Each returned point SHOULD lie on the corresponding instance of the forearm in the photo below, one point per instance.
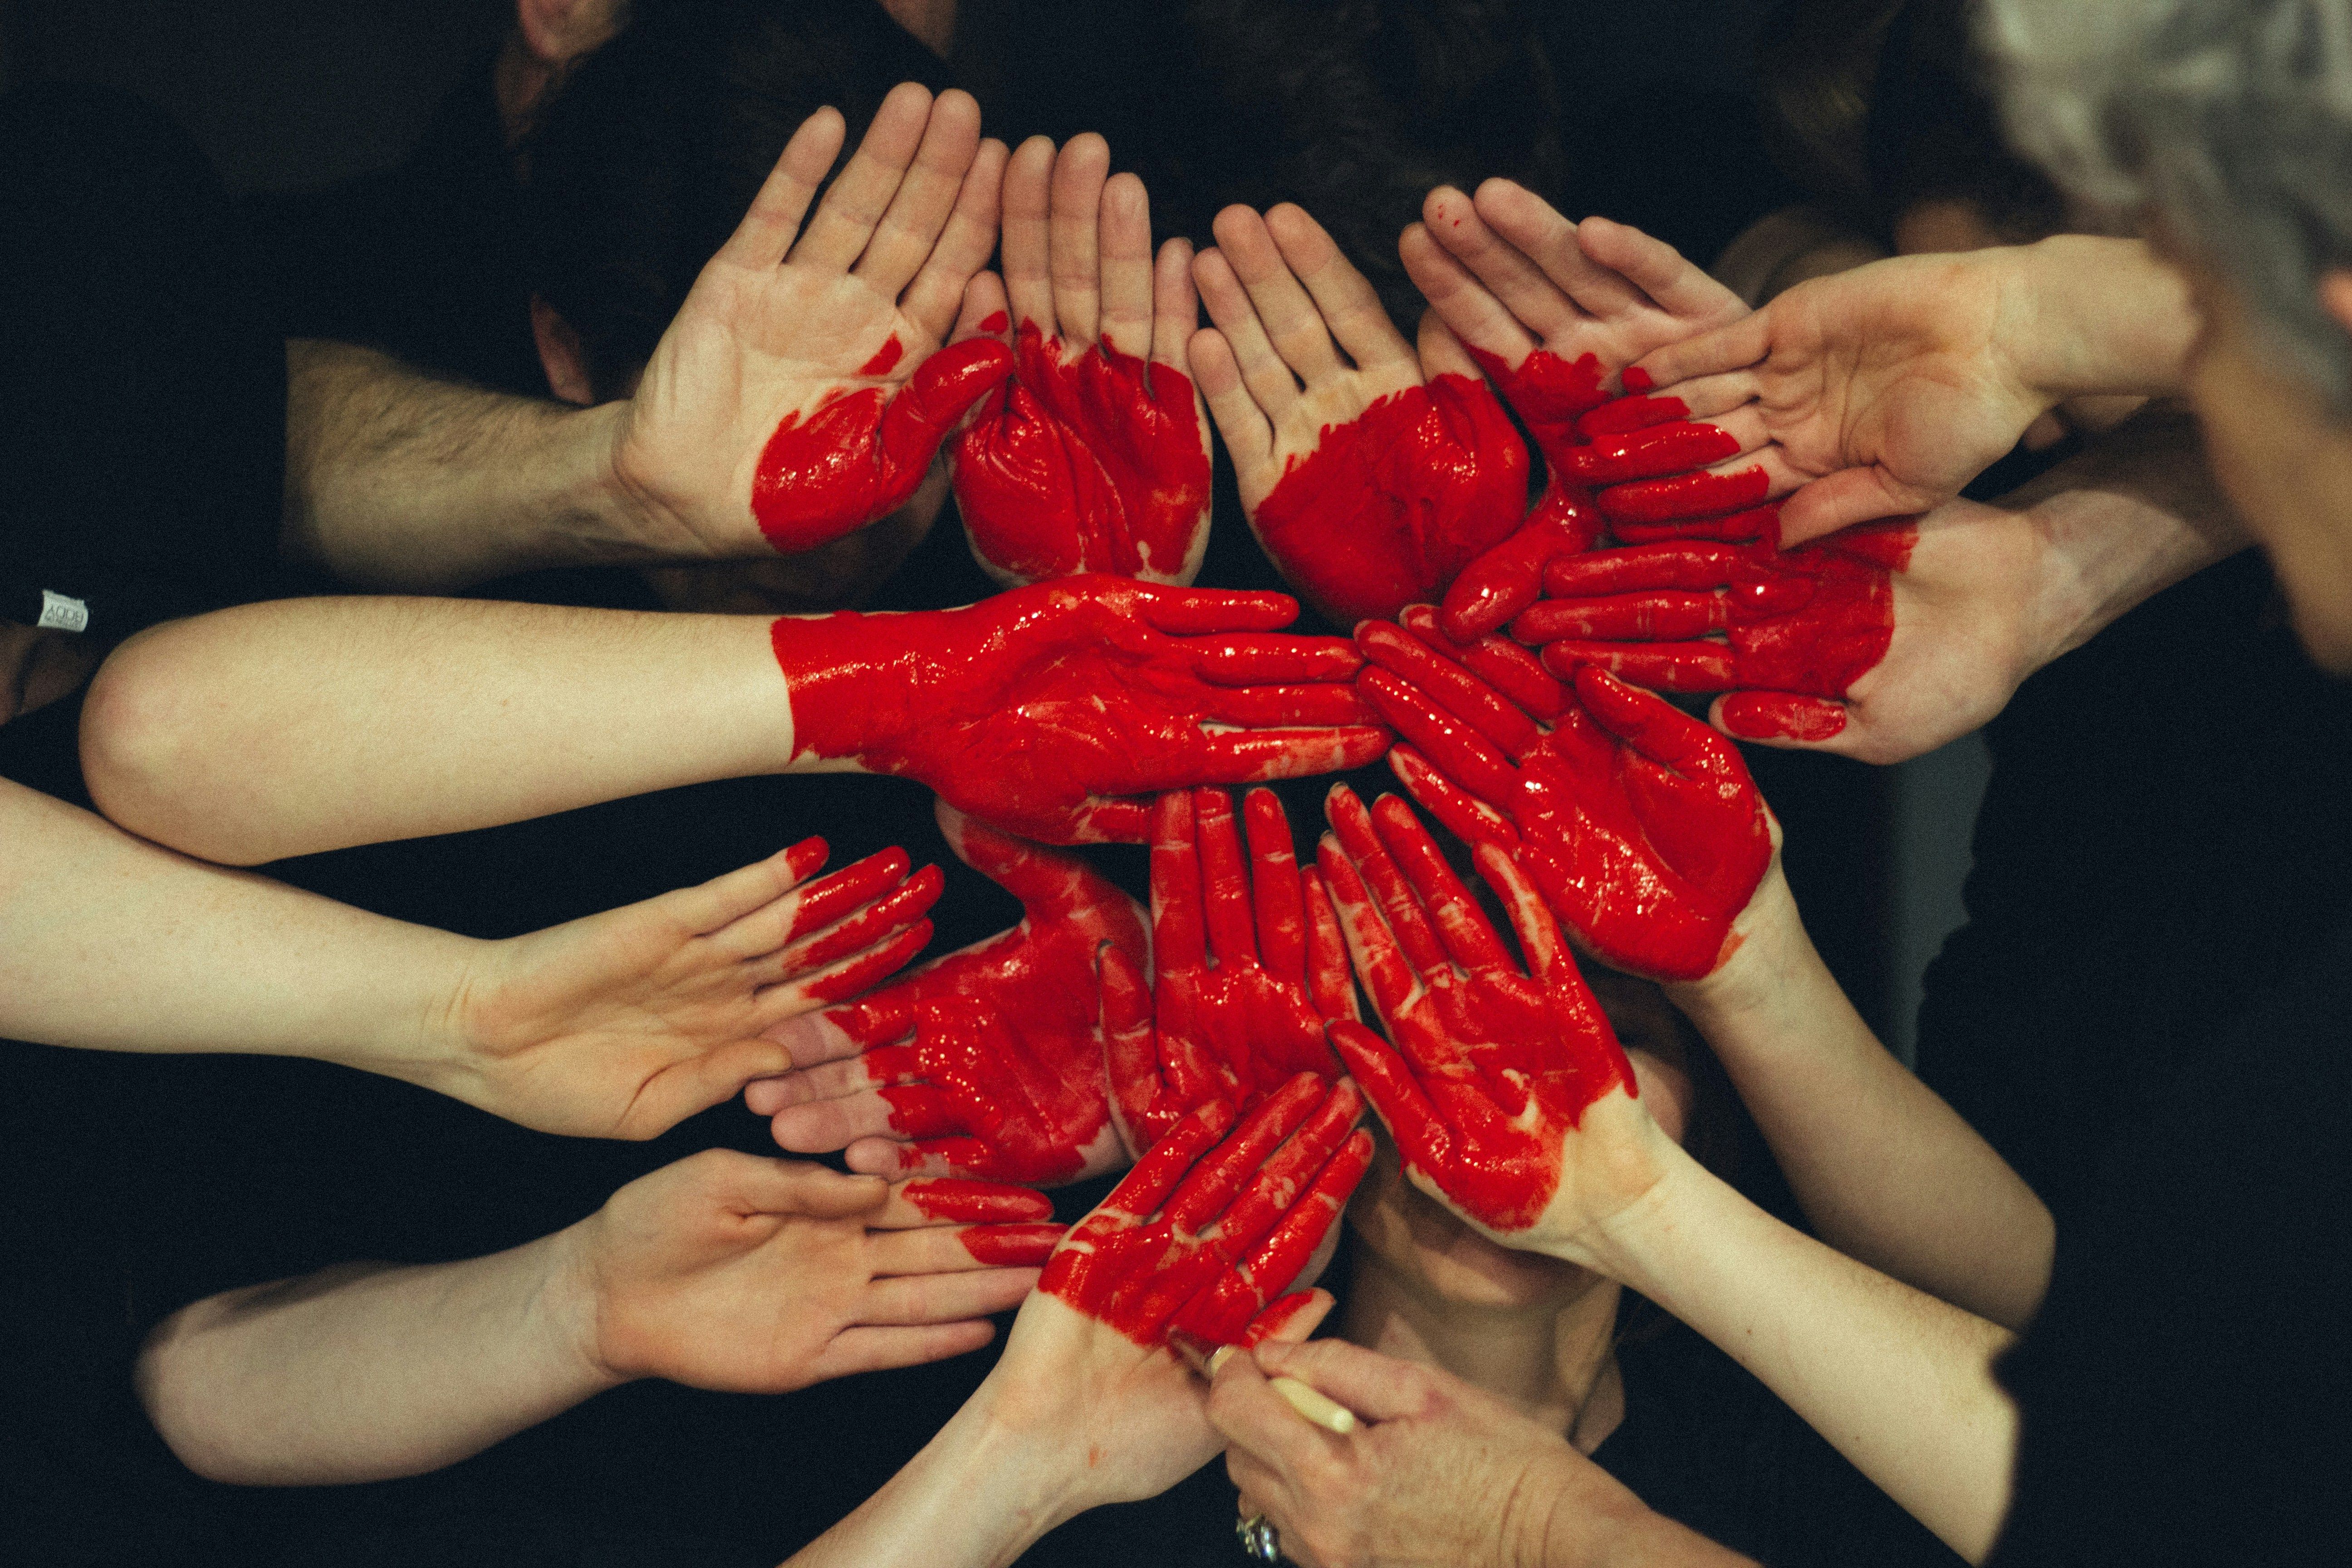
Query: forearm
(367, 1371)
(396, 480)
(303, 725)
(113, 943)
(1884, 1171)
(1899, 1381)
(977, 1496)
(2097, 315)
(1584, 1532)
(2121, 523)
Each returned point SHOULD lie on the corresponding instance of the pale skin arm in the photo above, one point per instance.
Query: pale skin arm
(618, 1025)
(395, 718)
(1884, 1171)
(724, 1271)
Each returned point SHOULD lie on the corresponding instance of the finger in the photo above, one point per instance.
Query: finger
(1279, 902)
(1467, 818)
(1239, 660)
(1468, 939)
(1695, 567)
(1050, 885)
(1349, 307)
(862, 928)
(1412, 663)
(829, 1125)
(1294, 330)
(857, 972)
(1269, 383)
(906, 1252)
(1707, 492)
(931, 301)
(930, 1298)
(1146, 1187)
(1846, 498)
(1180, 942)
(1679, 286)
(1540, 942)
(1182, 612)
(1460, 299)
(845, 1031)
(695, 1084)
(1276, 1234)
(1218, 1177)
(1074, 236)
(1224, 880)
(1652, 726)
(858, 1349)
(1399, 906)
(1506, 579)
(1175, 305)
(844, 220)
(759, 1183)
(986, 312)
(1501, 663)
(1779, 718)
(1388, 1081)
(1254, 707)
(1267, 1443)
(1658, 617)
(1130, 1045)
(722, 902)
(1328, 983)
(1467, 757)
(1291, 1318)
(942, 390)
(766, 232)
(1110, 819)
(1124, 246)
(936, 1201)
(913, 224)
(1733, 346)
(1375, 1387)
(1262, 755)
(1528, 224)
(1658, 667)
(1025, 211)
(1387, 976)
(1249, 435)
(1654, 450)
(1441, 352)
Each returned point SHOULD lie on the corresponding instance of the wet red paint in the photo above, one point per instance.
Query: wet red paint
(1777, 716)
(1650, 452)
(884, 357)
(822, 903)
(901, 906)
(1492, 1067)
(1389, 506)
(955, 1199)
(1682, 495)
(995, 321)
(1640, 824)
(1699, 616)
(1248, 964)
(871, 968)
(991, 1059)
(1098, 464)
(860, 453)
(1053, 710)
(1013, 1246)
(1203, 1235)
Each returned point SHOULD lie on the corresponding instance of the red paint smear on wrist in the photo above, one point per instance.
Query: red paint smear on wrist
(1094, 465)
(1390, 507)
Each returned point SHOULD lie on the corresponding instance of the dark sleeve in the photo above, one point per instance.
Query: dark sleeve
(142, 417)
(2184, 1390)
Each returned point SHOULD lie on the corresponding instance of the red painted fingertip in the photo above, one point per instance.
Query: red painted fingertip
(1778, 716)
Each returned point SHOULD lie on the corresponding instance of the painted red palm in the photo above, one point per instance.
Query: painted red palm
(1248, 965)
(1492, 1067)
(1640, 824)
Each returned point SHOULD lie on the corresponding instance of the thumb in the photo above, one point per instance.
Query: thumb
(1845, 498)
(697, 1083)
(1377, 1387)
(1778, 719)
(943, 389)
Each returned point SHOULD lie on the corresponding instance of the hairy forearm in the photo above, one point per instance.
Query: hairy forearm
(114, 943)
(396, 480)
(1899, 1381)
(1884, 1171)
(303, 725)
(369, 1371)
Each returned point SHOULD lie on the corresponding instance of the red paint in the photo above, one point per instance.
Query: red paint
(991, 1059)
(1777, 716)
(822, 903)
(953, 1199)
(903, 905)
(1648, 452)
(1682, 495)
(1053, 710)
(1248, 968)
(884, 357)
(1640, 824)
(1724, 618)
(1013, 1246)
(994, 322)
(1492, 1067)
(1198, 1239)
(1550, 394)
(1389, 508)
(1097, 464)
(1735, 527)
(1621, 415)
(860, 453)
(871, 968)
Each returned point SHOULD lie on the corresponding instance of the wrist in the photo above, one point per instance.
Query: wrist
(860, 685)
(2098, 315)
(1767, 944)
(572, 1309)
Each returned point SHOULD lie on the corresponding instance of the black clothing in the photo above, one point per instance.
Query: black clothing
(2185, 1390)
(1702, 1442)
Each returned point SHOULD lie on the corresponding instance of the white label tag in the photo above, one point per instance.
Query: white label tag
(60, 614)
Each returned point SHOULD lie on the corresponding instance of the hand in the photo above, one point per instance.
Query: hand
(625, 1024)
(1882, 391)
(1799, 629)
(1371, 476)
(1437, 1472)
(1509, 1096)
(746, 1275)
(988, 1062)
(1184, 1245)
(1552, 310)
(1641, 825)
(802, 392)
(1095, 456)
(1050, 710)
(1246, 971)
